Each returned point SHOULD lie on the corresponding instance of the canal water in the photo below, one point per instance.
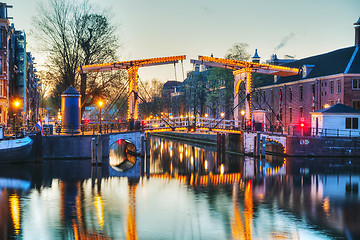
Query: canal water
(187, 192)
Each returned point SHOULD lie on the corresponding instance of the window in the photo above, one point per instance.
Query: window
(301, 93)
(356, 104)
(356, 84)
(290, 114)
(331, 87)
(280, 113)
(352, 123)
(331, 102)
(313, 88)
(290, 94)
(301, 112)
(272, 96)
(338, 86)
(1, 88)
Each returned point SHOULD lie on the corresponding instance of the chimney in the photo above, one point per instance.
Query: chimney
(357, 32)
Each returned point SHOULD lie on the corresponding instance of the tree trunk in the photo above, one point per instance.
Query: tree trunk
(83, 91)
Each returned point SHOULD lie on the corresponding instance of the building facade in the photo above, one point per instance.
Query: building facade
(4, 64)
(18, 80)
(323, 80)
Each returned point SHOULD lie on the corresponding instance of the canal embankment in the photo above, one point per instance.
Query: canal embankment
(72, 147)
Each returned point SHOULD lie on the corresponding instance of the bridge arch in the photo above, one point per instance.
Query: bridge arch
(133, 137)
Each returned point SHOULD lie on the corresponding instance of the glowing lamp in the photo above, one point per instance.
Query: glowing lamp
(100, 103)
(243, 112)
(222, 114)
(16, 103)
(302, 124)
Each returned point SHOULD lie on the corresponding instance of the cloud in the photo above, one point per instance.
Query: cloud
(284, 41)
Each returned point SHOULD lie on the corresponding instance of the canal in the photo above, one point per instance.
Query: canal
(187, 192)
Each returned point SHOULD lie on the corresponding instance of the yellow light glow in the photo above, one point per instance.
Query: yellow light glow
(222, 169)
(99, 210)
(15, 212)
(206, 115)
(100, 103)
(242, 112)
(17, 103)
(206, 165)
(326, 205)
(222, 114)
(326, 106)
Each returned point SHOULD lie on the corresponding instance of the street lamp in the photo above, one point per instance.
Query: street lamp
(100, 104)
(242, 118)
(16, 104)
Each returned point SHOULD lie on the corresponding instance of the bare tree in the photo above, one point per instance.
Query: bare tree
(75, 34)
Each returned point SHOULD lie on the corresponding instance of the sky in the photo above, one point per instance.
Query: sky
(159, 28)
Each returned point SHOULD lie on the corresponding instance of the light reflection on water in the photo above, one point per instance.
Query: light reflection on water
(185, 197)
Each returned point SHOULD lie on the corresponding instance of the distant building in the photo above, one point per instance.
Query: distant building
(336, 120)
(276, 61)
(168, 89)
(329, 78)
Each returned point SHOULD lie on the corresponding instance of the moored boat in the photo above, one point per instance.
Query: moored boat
(15, 150)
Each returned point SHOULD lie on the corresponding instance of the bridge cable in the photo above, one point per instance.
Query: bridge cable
(175, 71)
(172, 127)
(113, 102)
(116, 113)
(182, 67)
(247, 96)
(272, 110)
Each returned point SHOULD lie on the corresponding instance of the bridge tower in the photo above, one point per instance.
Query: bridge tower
(242, 71)
(132, 68)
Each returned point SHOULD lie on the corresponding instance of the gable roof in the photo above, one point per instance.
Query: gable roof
(345, 60)
(70, 91)
(339, 108)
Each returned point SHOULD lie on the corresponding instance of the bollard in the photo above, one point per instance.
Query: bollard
(93, 151)
(99, 149)
(263, 147)
(222, 148)
(258, 146)
(142, 146)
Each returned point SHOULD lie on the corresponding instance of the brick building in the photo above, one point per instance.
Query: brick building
(324, 79)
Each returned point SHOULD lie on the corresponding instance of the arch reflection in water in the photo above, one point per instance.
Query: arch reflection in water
(122, 155)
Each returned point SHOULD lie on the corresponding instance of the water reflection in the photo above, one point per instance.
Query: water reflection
(122, 155)
(185, 197)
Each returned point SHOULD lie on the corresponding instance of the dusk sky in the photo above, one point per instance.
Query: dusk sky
(156, 28)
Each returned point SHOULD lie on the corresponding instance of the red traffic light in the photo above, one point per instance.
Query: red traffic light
(302, 124)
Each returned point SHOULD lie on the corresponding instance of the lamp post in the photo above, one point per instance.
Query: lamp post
(100, 104)
(16, 104)
(242, 118)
